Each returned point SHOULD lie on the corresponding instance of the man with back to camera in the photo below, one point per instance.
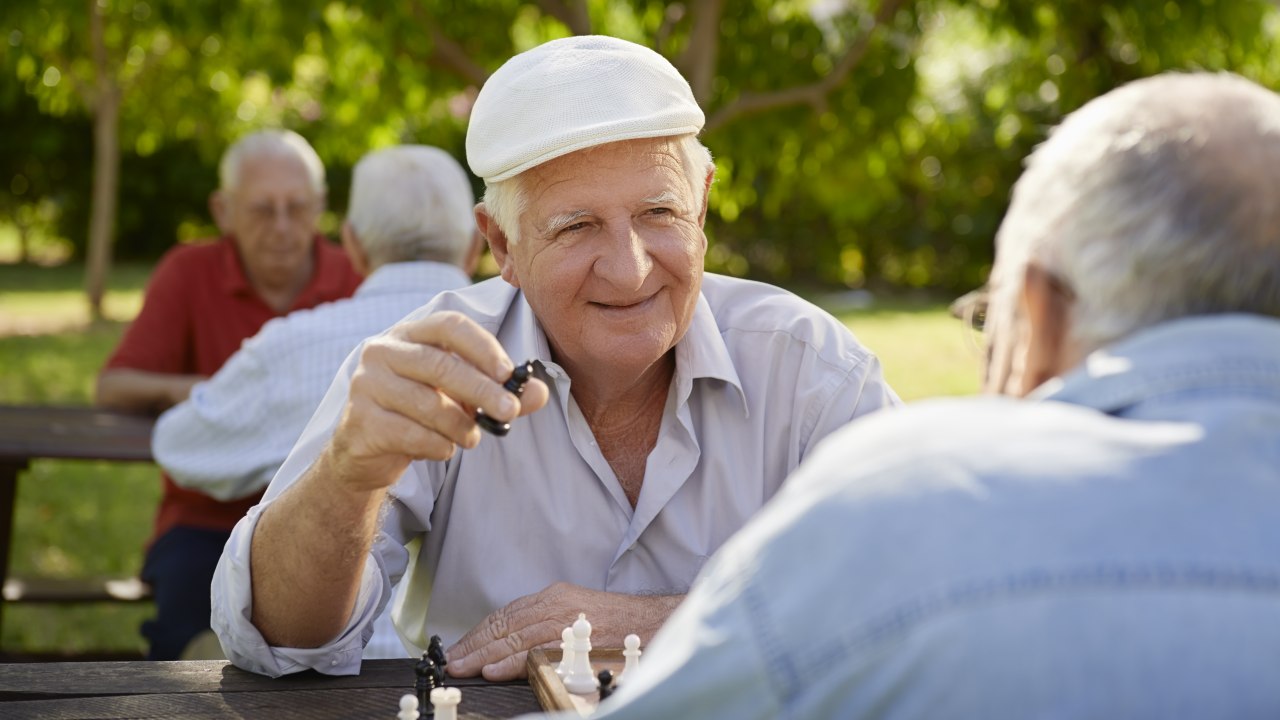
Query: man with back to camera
(1106, 546)
(410, 231)
(665, 408)
(201, 302)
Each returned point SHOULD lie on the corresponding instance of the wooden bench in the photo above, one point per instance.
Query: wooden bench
(64, 433)
(74, 590)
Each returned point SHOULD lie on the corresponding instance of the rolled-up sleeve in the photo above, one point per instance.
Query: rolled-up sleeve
(232, 602)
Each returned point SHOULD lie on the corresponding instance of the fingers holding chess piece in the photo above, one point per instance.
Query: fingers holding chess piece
(513, 385)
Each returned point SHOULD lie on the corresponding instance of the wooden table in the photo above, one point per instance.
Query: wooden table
(62, 433)
(216, 689)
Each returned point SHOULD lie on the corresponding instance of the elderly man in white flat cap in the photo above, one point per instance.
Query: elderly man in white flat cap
(666, 406)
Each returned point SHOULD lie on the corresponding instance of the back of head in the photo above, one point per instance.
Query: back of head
(1156, 201)
(270, 143)
(411, 202)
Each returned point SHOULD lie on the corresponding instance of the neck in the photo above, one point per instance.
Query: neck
(625, 415)
(279, 293)
(613, 397)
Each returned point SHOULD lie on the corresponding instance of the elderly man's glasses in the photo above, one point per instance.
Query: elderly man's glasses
(972, 308)
(294, 211)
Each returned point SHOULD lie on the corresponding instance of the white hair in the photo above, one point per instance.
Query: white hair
(1156, 201)
(506, 200)
(270, 143)
(411, 202)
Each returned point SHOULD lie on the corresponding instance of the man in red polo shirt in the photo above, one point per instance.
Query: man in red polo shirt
(202, 301)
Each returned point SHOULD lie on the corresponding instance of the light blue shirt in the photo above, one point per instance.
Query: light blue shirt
(230, 437)
(1109, 549)
(761, 376)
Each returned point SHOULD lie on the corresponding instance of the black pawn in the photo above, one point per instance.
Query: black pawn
(513, 385)
(606, 684)
(428, 675)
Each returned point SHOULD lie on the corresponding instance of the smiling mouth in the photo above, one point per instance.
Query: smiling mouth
(638, 304)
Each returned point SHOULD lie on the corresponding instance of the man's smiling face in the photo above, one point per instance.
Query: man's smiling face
(610, 252)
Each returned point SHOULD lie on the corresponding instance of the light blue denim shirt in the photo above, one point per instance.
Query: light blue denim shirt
(1110, 549)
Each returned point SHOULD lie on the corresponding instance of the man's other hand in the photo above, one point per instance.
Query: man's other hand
(497, 648)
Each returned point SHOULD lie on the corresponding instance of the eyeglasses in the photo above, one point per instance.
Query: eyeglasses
(972, 308)
(294, 210)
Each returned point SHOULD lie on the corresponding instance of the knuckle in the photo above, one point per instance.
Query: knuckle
(500, 625)
(515, 642)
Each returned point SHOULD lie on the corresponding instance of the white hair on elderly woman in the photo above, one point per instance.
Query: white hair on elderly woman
(270, 143)
(1150, 208)
(506, 201)
(412, 202)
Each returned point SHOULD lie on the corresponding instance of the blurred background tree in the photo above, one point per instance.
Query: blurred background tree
(859, 143)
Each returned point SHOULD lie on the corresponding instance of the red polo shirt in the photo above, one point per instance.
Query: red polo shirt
(198, 308)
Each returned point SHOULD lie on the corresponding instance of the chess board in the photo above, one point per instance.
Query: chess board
(551, 692)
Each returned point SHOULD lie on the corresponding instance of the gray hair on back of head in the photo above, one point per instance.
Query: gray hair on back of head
(1156, 201)
(506, 200)
(412, 202)
(270, 143)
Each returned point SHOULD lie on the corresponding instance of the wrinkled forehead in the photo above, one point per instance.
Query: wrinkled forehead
(627, 171)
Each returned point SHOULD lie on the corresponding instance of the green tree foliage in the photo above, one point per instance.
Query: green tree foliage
(858, 142)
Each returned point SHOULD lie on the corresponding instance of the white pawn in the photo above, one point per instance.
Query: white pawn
(566, 652)
(631, 654)
(580, 680)
(408, 708)
(444, 702)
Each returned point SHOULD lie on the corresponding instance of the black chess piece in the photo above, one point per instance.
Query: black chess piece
(606, 683)
(435, 651)
(513, 385)
(429, 678)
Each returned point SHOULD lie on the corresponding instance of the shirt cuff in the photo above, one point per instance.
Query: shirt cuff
(232, 603)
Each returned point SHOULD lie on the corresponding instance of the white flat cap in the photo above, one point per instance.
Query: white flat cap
(575, 93)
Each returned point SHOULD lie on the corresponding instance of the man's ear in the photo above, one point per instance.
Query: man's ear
(499, 245)
(472, 257)
(355, 251)
(220, 209)
(706, 196)
(1049, 352)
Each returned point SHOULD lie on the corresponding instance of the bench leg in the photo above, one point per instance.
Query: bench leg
(9, 470)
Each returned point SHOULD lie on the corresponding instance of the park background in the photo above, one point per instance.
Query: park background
(865, 150)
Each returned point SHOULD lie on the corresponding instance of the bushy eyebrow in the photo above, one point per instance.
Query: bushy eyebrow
(666, 197)
(555, 223)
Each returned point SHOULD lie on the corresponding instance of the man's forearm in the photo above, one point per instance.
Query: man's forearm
(307, 557)
(142, 391)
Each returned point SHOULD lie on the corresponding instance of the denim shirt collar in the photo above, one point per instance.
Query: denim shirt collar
(1211, 352)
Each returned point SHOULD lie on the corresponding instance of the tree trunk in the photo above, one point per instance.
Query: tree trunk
(106, 180)
(106, 167)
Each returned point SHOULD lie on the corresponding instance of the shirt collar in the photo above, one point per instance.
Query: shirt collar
(1212, 352)
(235, 281)
(418, 276)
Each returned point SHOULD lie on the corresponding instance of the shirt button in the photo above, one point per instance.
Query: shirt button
(332, 663)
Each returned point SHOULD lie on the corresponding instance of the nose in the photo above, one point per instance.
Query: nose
(280, 219)
(625, 262)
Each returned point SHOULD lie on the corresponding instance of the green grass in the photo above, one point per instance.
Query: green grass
(89, 518)
(924, 351)
(33, 297)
